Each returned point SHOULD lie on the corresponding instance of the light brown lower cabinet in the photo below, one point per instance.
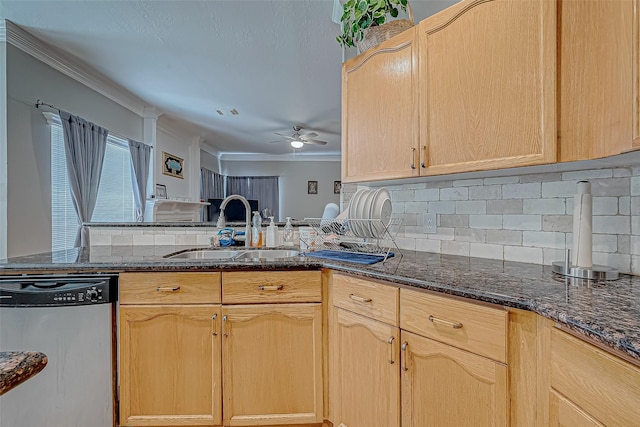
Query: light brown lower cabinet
(589, 386)
(564, 413)
(272, 357)
(170, 365)
(446, 386)
(368, 372)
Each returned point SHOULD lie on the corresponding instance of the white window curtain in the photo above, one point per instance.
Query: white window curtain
(237, 185)
(265, 190)
(140, 159)
(85, 144)
(211, 187)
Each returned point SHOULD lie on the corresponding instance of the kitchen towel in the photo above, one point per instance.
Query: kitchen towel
(357, 258)
(582, 211)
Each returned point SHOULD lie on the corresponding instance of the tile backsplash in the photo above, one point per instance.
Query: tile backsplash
(526, 218)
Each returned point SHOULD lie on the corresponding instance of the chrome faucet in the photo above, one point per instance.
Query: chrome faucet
(222, 221)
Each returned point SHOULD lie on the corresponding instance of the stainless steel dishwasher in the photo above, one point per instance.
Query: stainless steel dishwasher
(69, 318)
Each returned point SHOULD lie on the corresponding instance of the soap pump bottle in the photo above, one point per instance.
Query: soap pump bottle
(287, 236)
(272, 234)
(256, 230)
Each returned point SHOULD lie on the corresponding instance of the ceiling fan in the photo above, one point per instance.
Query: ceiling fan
(297, 140)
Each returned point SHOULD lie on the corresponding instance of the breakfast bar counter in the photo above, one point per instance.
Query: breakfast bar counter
(18, 366)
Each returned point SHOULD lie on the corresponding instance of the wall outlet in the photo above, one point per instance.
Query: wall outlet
(429, 224)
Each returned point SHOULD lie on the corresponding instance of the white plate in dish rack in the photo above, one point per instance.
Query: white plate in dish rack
(352, 204)
(363, 214)
(353, 207)
(380, 212)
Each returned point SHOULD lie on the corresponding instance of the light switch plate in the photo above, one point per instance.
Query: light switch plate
(429, 224)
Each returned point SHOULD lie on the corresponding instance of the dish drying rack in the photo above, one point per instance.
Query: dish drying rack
(368, 236)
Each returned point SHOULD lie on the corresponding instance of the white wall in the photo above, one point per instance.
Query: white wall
(294, 200)
(28, 147)
(177, 143)
(209, 161)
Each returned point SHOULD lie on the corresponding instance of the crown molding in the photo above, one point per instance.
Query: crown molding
(289, 157)
(3, 30)
(210, 149)
(59, 61)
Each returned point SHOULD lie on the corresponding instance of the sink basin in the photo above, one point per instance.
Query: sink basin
(220, 254)
(266, 254)
(228, 254)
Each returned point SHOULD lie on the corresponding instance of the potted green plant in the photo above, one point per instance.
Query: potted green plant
(362, 22)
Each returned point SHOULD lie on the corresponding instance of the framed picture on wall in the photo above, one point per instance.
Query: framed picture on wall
(172, 165)
(161, 191)
(312, 187)
(337, 185)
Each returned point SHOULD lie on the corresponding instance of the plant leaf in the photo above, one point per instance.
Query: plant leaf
(394, 12)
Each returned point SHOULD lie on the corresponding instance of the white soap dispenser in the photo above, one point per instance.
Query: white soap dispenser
(272, 234)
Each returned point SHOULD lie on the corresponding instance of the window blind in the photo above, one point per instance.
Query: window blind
(115, 194)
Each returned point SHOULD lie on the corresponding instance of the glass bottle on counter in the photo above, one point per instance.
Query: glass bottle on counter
(287, 236)
(256, 230)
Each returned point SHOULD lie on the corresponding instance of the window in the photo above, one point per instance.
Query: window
(115, 194)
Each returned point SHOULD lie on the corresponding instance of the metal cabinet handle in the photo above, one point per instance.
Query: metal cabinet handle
(404, 347)
(215, 332)
(413, 158)
(454, 325)
(390, 341)
(356, 298)
(168, 289)
(225, 330)
(271, 287)
(423, 163)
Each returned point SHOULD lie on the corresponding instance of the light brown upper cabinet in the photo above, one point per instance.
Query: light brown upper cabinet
(598, 78)
(487, 86)
(380, 112)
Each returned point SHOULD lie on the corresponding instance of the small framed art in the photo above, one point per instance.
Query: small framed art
(337, 185)
(312, 187)
(161, 191)
(172, 165)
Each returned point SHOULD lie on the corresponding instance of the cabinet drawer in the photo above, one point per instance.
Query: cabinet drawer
(271, 286)
(169, 288)
(601, 384)
(472, 327)
(371, 299)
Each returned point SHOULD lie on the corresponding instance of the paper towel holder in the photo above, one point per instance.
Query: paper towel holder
(596, 272)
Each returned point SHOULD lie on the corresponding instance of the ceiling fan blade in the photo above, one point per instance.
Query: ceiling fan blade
(308, 135)
(314, 142)
(289, 137)
(275, 142)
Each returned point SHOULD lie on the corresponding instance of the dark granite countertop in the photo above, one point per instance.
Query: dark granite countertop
(18, 366)
(607, 312)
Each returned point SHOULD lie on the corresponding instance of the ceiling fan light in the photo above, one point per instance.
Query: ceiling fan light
(297, 144)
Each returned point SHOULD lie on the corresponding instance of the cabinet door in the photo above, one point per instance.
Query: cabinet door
(367, 372)
(272, 358)
(445, 386)
(487, 83)
(598, 78)
(170, 369)
(380, 112)
(564, 413)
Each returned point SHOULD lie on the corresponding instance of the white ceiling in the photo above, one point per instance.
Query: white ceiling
(276, 62)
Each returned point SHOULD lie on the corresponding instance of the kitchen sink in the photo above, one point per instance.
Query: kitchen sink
(230, 255)
(219, 254)
(266, 254)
